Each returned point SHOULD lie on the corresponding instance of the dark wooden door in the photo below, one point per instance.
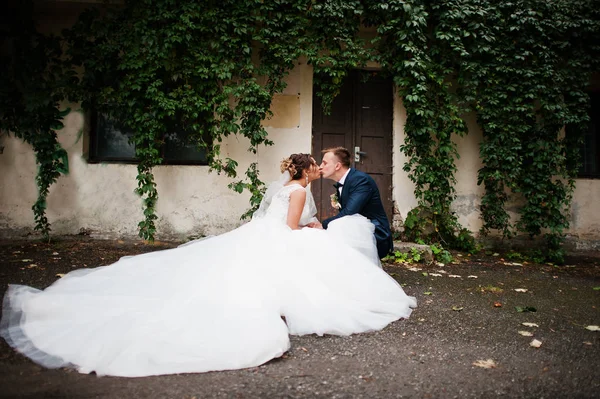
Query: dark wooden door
(360, 119)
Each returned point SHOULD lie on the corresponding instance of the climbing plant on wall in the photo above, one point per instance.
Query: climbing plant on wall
(527, 81)
(522, 67)
(31, 88)
(212, 66)
(420, 62)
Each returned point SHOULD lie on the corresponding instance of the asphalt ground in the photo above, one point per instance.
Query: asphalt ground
(462, 341)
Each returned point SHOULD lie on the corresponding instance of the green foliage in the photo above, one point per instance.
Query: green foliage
(513, 255)
(536, 256)
(525, 309)
(333, 45)
(255, 187)
(212, 68)
(527, 83)
(31, 80)
(414, 256)
(420, 65)
(523, 67)
(421, 225)
(533, 255)
(159, 65)
(440, 254)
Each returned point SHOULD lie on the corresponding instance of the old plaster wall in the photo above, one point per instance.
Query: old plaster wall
(585, 214)
(585, 211)
(468, 194)
(99, 198)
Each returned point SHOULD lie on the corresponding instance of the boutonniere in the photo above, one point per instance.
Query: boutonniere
(335, 203)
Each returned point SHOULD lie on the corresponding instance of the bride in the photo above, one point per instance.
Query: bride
(226, 302)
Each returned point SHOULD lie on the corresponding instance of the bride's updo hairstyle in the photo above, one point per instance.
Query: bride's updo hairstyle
(296, 164)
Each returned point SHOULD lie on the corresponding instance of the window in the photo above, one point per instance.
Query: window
(590, 149)
(110, 142)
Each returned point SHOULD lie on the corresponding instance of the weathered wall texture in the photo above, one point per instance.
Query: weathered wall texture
(99, 198)
(584, 232)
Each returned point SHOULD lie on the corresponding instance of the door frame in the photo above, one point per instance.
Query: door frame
(323, 188)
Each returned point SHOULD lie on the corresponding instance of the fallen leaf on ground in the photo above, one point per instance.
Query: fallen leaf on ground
(54, 253)
(33, 265)
(530, 324)
(497, 305)
(454, 275)
(440, 264)
(523, 309)
(596, 288)
(435, 274)
(427, 293)
(457, 308)
(414, 269)
(425, 274)
(486, 364)
(26, 260)
(442, 271)
(535, 343)
(593, 328)
(526, 333)
(521, 289)
(60, 275)
(495, 254)
(471, 276)
(491, 288)
(587, 343)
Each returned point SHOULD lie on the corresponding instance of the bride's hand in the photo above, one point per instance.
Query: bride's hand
(315, 225)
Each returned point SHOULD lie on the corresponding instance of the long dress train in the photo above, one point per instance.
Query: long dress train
(215, 304)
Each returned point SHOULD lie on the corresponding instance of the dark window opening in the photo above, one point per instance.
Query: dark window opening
(590, 148)
(111, 142)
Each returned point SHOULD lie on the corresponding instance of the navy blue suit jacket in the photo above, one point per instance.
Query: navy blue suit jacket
(361, 195)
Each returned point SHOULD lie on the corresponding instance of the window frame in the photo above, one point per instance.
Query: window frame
(94, 158)
(594, 129)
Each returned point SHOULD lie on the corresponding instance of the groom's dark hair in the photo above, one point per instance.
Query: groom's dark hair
(340, 153)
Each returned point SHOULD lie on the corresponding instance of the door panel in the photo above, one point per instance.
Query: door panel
(374, 108)
(330, 131)
(361, 115)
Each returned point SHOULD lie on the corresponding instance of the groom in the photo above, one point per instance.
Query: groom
(357, 193)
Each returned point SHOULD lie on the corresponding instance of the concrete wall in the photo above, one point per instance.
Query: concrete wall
(99, 198)
(584, 232)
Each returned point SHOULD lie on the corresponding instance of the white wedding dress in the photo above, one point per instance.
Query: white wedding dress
(213, 304)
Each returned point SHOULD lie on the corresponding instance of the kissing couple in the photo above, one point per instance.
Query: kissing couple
(229, 301)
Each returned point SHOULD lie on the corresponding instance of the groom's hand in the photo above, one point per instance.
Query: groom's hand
(315, 225)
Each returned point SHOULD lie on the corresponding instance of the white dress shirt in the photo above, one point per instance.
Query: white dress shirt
(342, 180)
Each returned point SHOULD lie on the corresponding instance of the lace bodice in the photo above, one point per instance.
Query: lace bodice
(281, 202)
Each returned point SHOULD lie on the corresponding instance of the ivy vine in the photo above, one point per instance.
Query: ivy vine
(31, 88)
(527, 85)
(213, 67)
